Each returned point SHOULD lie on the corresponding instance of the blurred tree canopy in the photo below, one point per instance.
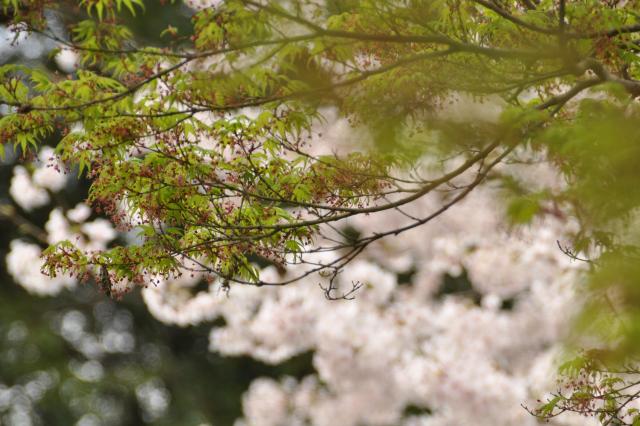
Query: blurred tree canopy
(196, 133)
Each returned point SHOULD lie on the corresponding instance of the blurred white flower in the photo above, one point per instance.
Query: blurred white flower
(154, 399)
(79, 213)
(50, 171)
(58, 228)
(24, 264)
(203, 4)
(30, 192)
(100, 231)
(67, 60)
(24, 192)
(266, 403)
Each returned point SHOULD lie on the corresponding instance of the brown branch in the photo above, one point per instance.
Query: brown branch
(395, 38)
(10, 213)
(506, 15)
(560, 100)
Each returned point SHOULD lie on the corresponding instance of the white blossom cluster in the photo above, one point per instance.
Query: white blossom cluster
(34, 190)
(21, 44)
(31, 190)
(400, 345)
